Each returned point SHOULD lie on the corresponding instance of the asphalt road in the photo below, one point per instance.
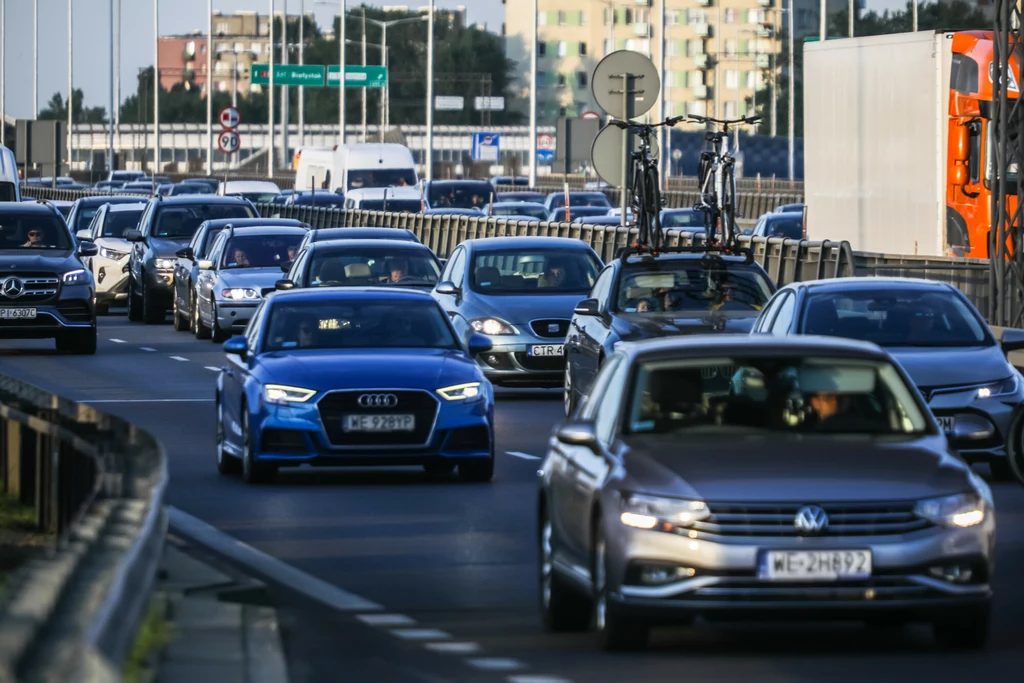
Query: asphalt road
(461, 558)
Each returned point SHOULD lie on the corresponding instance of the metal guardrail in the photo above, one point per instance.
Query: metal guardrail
(555, 181)
(72, 612)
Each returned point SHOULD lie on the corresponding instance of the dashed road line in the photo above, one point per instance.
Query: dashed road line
(212, 368)
(386, 620)
(146, 348)
(118, 341)
(420, 634)
(454, 648)
(179, 358)
(523, 456)
(495, 664)
(534, 678)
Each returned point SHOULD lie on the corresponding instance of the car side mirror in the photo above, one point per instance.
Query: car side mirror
(573, 433)
(205, 264)
(1012, 340)
(286, 266)
(84, 235)
(480, 343)
(236, 346)
(88, 249)
(186, 253)
(133, 235)
(447, 287)
(283, 285)
(587, 307)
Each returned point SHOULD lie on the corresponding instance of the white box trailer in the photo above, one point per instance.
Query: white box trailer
(875, 132)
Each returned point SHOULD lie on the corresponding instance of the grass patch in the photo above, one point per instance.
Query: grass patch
(15, 515)
(154, 635)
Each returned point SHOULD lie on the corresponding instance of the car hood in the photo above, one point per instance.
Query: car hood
(635, 326)
(24, 259)
(255, 278)
(164, 247)
(798, 469)
(115, 243)
(519, 309)
(932, 367)
(329, 369)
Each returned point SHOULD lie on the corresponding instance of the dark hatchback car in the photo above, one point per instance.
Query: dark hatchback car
(643, 297)
(85, 208)
(168, 225)
(46, 290)
(363, 263)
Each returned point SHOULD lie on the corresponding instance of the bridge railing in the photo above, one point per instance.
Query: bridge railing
(96, 484)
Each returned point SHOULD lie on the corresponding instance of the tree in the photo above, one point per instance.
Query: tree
(57, 109)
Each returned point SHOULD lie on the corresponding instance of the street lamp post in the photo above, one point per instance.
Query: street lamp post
(271, 147)
(110, 127)
(209, 87)
(533, 95)
(156, 86)
(3, 79)
(792, 98)
(71, 83)
(341, 70)
(430, 96)
(302, 60)
(35, 59)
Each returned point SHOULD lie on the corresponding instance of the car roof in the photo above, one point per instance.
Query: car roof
(199, 199)
(846, 284)
(525, 242)
(514, 203)
(254, 222)
(126, 206)
(324, 234)
(714, 344)
(349, 294)
(731, 259)
(258, 230)
(26, 208)
(109, 199)
(358, 244)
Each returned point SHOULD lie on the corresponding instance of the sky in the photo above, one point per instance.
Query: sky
(92, 39)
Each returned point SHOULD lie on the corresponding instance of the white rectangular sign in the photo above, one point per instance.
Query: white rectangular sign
(489, 104)
(448, 103)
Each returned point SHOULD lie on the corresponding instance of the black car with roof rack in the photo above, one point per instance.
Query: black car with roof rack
(643, 294)
(46, 291)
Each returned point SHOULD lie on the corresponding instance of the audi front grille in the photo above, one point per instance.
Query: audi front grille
(335, 406)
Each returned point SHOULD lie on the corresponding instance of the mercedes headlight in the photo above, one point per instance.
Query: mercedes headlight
(652, 512)
(1010, 385)
(113, 255)
(164, 263)
(461, 392)
(76, 277)
(962, 510)
(279, 394)
(240, 293)
(492, 327)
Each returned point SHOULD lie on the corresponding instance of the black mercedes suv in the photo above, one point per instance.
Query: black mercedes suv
(46, 291)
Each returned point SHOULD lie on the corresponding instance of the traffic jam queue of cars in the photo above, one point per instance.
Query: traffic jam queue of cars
(729, 449)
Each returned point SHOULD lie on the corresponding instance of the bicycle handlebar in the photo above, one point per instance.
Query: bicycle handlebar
(723, 122)
(626, 125)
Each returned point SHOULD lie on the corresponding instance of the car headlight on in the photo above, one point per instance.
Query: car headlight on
(652, 512)
(163, 263)
(240, 293)
(1010, 385)
(114, 255)
(76, 277)
(282, 395)
(962, 510)
(492, 326)
(461, 392)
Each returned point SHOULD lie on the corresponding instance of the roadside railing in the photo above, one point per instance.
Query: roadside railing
(96, 483)
(555, 182)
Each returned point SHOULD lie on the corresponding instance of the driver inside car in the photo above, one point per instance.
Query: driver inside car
(399, 270)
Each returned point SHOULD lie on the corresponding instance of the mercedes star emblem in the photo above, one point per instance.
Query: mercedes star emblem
(12, 287)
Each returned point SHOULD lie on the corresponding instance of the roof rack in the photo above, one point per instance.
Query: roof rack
(714, 251)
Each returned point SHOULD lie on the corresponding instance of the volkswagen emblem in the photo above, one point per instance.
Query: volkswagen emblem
(811, 519)
(12, 287)
(378, 401)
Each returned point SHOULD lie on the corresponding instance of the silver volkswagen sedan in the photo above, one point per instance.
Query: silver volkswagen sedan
(758, 477)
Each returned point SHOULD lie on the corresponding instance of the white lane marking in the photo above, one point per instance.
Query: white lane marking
(386, 620)
(495, 664)
(148, 400)
(454, 648)
(537, 678)
(420, 634)
(524, 456)
(179, 358)
(146, 348)
(212, 368)
(118, 341)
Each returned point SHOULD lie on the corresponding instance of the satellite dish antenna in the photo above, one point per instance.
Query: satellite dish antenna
(626, 84)
(607, 154)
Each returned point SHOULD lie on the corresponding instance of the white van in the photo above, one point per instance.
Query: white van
(256, 191)
(392, 199)
(10, 183)
(355, 167)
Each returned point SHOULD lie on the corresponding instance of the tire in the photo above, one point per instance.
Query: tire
(562, 609)
(180, 324)
(568, 393)
(439, 469)
(134, 303)
(78, 342)
(966, 629)
(477, 470)
(201, 330)
(615, 633)
(102, 309)
(151, 313)
(226, 463)
(218, 335)
(252, 472)
(728, 204)
(1001, 470)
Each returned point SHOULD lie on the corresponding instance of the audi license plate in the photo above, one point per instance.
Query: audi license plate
(17, 313)
(379, 423)
(815, 565)
(545, 350)
(947, 424)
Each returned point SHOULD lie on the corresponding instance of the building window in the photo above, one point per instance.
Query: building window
(732, 80)
(542, 78)
(609, 47)
(563, 48)
(730, 47)
(222, 47)
(561, 111)
(697, 108)
(730, 16)
(697, 77)
(239, 48)
(730, 110)
(581, 79)
(752, 80)
(220, 67)
(694, 47)
(542, 49)
(222, 27)
(583, 18)
(583, 49)
(256, 48)
(562, 19)
(561, 80)
(696, 16)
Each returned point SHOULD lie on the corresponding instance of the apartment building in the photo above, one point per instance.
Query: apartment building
(717, 52)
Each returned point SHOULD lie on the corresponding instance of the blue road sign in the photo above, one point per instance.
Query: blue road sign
(486, 147)
(546, 156)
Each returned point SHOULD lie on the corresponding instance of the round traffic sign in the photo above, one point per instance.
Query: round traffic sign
(230, 118)
(632, 71)
(229, 141)
(545, 141)
(590, 115)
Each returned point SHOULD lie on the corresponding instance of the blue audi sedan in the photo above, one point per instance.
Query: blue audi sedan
(354, 377)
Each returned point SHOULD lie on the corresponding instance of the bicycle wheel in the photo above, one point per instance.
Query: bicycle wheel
(728, 203)
(639, 204)
(653, 201)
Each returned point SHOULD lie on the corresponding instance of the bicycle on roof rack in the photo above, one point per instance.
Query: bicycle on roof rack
(645, 191)
(716, 178)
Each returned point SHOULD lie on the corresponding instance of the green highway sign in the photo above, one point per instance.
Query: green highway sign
(358, 76)
(309, 75)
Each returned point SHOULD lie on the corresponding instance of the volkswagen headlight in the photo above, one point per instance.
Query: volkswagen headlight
(240, 294)
(962, 510)
(1010, 385)
(112, 254)
(76, 277)
(461, 392)
(665, 514)
(163, 263)
(492, 327)
(281, 395)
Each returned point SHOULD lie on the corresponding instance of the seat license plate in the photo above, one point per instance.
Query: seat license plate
(544, 350)
(815, 565)
(947, 424)
(17, 313)
(379, 423)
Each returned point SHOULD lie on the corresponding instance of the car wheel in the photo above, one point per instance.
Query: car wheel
(217, 334)
(439, 469)
(614, 632)
(568, 392)
(477, 469)
(151, 313)
(180, 322)
(102, 309)
(79, 342)
(201, 330)
(965, 629)
(562, 609)
(252, 472)
(1001, 470)
(226, 463)
(134, 303)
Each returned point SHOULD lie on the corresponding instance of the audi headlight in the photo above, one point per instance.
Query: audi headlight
(461, 392)
(1010, 385)
(281, 395)
(76, 277)
(492, 326)
(240, 293)
(163, 263)
(113, 255)
(962, 510)
(664, 514)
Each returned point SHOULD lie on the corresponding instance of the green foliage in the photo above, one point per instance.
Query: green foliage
(57, 108)
(154, 635)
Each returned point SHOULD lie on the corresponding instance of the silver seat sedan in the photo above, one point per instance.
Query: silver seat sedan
(757, 477)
